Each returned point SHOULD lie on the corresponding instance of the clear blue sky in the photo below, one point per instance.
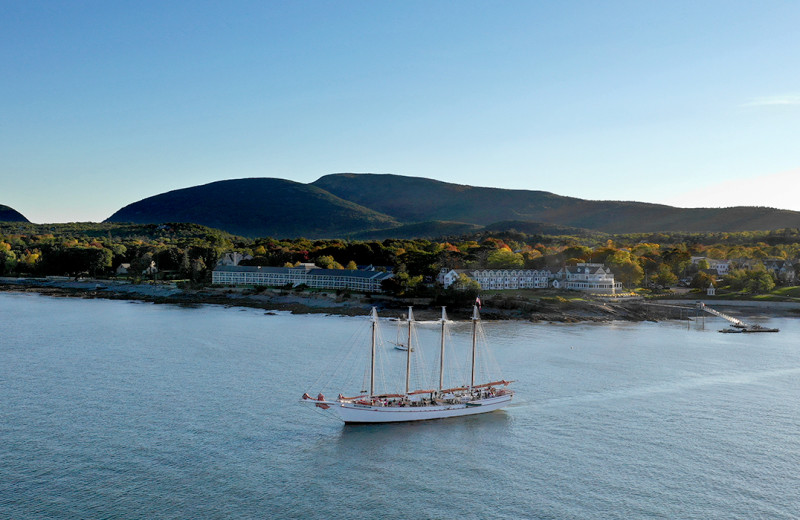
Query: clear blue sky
(691, 103)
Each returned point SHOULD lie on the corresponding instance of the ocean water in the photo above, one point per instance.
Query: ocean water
(114, 409)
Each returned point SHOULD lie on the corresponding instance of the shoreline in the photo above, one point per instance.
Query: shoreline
(355, 304)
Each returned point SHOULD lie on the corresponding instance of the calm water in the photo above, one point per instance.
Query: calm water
(126, 410)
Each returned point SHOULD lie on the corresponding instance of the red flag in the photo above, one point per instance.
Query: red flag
(478, 301)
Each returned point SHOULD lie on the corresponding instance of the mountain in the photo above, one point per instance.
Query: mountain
(371, 206)
(257, 208)
(8, 214)
(415, 199)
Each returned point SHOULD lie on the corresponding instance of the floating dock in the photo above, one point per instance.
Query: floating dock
(737, 325)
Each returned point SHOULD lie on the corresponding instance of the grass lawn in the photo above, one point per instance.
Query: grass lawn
(787, 292)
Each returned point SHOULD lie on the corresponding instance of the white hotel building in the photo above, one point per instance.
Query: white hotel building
(585, 277)
(304, 274)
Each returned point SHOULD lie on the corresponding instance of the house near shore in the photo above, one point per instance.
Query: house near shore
(784, 270)
(722, 267)
(125, 269)
(304, 274)
(586, 277)
(448, 277)
(151, 269)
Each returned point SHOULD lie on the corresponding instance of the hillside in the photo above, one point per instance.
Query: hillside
(8, 214)
(174, 231)
(257, 208)
(430, 230)
(539, 228)
(414, 199)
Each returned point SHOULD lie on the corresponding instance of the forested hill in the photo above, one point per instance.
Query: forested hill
(414, 199)
(8, 214)
(391, 206)
(257, 208)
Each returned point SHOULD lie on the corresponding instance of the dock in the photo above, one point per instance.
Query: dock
(737, 325)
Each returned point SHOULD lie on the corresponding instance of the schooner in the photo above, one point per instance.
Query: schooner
(418, 404)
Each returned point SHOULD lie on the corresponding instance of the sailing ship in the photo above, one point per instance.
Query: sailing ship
(422, 403)
(399, 344)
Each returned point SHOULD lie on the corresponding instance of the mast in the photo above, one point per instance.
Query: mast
(441, 352)
(475, 319)
(408, 352)
(372, 359)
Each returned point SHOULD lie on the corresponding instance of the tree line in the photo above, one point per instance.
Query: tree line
(190, 252)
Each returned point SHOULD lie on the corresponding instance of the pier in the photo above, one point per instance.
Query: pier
(737, 325)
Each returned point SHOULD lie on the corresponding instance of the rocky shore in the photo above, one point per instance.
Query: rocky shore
(500, 308)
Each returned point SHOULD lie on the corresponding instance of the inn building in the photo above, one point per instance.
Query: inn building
(304, 274)
(586, 277)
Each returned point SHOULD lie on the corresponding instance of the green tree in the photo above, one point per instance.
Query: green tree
(677, 258)
(401, 284)
(461, 293)
(577, 252)
(626, 270)
(465, 283)
(169, 258)
(664, 276)
(702, 280)
(504, 259)
(327, 262)
(753, 281)
(99, 260)
(759, 282)
(185, 266)
(199, 270)
(8, 261)
(141, 263)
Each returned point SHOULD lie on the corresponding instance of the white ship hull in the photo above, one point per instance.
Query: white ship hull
(352, 412)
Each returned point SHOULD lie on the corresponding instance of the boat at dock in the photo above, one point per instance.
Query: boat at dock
(436, 401)
(759, 328)
(738, 329)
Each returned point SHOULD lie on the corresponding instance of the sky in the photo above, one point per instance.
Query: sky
(686, 103)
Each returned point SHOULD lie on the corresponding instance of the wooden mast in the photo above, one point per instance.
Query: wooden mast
(408, 352)
(441, 353)
(475, 319)
(372, 360)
